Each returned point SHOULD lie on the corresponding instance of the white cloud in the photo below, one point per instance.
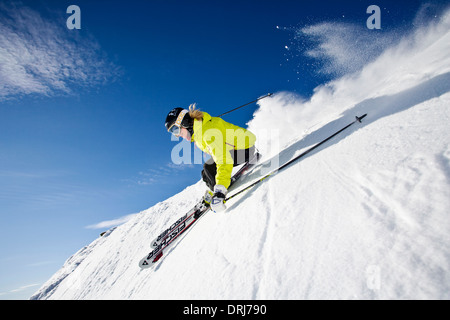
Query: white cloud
(39, 56)
(22, 288)
(158, 175)
(41, 263)
(111, 223)
(25, 287)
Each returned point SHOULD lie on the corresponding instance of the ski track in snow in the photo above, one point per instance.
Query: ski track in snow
(265, 243)
(364, 216)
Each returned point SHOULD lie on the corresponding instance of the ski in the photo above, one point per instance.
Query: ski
(168, 236)
(174, 227)
(168, 232)
(157, 253)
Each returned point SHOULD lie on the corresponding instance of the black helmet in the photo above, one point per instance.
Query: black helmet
(177, 116)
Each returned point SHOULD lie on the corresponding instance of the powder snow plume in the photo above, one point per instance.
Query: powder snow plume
(422, 54)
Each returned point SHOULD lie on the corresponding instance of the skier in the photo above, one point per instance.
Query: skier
(228, 145)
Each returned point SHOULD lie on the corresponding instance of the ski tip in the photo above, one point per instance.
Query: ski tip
(143, 264)
(361, 117)
(146, 264)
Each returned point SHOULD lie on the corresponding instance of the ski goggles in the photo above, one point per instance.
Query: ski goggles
(175, 128)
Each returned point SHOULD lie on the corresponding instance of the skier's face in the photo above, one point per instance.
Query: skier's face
(185, 134)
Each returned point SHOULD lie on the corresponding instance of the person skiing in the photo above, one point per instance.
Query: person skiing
(228, 145)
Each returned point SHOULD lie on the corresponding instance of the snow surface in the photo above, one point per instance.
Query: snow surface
(365, 216)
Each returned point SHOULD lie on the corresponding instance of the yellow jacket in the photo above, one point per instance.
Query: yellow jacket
(217, 138)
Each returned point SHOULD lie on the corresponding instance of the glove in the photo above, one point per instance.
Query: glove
(217, 204)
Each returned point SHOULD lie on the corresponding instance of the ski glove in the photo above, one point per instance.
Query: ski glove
(217, 204)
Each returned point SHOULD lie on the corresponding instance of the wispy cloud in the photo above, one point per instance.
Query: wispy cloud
(41, 263)
(19, 174)
(46, 190)
(41, 56)
(158, 175)
(111, 223)
(22, 288)
(149, 177)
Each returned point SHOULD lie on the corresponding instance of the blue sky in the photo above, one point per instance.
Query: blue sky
(82, 137)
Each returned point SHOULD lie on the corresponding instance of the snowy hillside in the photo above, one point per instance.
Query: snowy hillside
(365, 216)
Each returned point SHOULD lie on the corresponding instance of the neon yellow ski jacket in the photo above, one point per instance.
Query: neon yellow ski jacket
(217, 137)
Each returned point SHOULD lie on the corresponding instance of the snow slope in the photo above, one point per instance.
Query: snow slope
(365, 216)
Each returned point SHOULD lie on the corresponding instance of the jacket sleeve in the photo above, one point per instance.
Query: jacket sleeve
(223, 175)
(222, 157)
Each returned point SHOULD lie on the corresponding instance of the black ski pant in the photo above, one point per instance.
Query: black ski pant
(210, 168)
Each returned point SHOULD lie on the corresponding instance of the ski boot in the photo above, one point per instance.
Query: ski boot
(204, 204)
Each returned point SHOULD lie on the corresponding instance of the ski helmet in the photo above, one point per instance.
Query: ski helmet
(177, 118)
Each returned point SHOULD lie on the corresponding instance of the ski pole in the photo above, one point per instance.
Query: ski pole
(260, 98)
(358, 119)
